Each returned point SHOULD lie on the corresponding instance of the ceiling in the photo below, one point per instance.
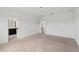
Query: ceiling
(37, 11)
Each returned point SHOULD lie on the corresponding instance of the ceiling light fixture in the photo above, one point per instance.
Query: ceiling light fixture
(41, 7)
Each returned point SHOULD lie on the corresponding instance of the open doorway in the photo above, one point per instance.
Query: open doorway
(42, 27)
(12, 29)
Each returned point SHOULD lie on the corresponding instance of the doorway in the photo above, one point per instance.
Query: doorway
(42, 27)
(12, 29)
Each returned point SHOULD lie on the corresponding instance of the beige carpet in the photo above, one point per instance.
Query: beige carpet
(40, 43)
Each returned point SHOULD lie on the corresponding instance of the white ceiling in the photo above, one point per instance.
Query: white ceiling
(40, 11)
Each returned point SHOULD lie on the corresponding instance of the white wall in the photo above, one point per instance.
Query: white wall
(61, 24)
(77, 25)
(3, 30)
(28, 25)
(58, 24)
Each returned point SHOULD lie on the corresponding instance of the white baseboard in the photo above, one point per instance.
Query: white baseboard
(2, 42)
(61, 36)
(26, 35)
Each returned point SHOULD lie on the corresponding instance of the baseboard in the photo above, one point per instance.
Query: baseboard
(2, 42)
(60, 36)
(27, 35)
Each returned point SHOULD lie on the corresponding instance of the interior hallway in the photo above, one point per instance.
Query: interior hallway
(40, 43)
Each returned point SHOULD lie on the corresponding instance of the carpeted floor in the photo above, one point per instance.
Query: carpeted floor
(40, 43)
